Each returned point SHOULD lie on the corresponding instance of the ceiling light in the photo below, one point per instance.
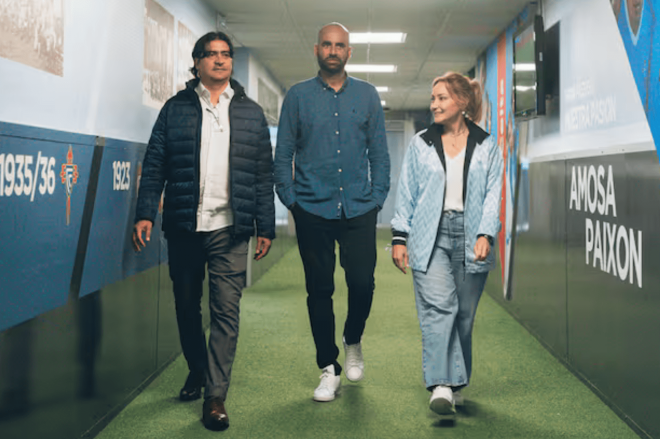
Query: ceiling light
(383, 89)
(371, 68)
(382, 103)
(376, 37)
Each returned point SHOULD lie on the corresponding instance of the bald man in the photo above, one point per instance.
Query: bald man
(334, 126)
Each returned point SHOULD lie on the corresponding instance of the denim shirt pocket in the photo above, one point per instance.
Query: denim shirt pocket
(359, 118)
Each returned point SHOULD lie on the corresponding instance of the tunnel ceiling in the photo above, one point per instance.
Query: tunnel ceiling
(441, 35)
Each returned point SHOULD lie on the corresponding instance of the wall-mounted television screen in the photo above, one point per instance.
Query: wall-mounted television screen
(528, 81)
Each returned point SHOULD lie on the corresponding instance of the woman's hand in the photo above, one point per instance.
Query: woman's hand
(481, 249)
(400, 257)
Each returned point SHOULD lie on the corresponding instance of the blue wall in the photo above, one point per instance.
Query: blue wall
(84, 319)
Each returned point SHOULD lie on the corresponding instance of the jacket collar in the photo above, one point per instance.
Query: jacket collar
(433, 135)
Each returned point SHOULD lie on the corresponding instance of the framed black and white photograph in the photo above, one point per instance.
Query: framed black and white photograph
(32, 33)
(158, 70)
(185, 43)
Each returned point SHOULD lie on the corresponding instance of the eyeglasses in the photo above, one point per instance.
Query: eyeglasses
(215, 54)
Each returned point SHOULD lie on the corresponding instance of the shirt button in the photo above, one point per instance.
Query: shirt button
(336, 114)
(335, 96)
(339, 169)
(338, 151)
(337, 132)
(341, 188)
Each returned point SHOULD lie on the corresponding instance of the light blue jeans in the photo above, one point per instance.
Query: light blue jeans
(447, 299)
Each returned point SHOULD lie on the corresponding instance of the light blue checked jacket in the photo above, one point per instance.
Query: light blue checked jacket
(421, 189)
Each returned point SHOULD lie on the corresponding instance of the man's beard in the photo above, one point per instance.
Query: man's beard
(336, 68)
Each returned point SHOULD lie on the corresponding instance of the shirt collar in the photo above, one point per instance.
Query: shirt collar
(205, 94)
(326, 86)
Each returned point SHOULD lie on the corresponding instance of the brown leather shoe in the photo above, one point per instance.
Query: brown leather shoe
(214, 414)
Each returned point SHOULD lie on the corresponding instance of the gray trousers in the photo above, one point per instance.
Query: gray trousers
(189, 255)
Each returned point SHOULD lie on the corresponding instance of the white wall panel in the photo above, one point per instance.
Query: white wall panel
(100, 92)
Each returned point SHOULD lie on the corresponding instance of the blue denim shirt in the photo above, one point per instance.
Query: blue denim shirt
(338, 144)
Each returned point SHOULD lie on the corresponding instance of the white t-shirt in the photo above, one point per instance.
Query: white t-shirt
(454, 183)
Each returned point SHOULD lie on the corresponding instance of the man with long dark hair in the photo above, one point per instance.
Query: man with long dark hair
(219, 186)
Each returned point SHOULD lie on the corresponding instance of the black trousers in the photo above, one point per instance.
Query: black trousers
(189, 254)
(357, 256)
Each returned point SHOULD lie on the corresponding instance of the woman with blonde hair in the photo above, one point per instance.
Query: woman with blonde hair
(447, 214)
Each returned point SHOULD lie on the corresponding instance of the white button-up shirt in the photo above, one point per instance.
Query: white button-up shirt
(214, 210)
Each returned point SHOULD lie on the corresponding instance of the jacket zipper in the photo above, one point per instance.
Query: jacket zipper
(240, 97)
(230, 167)
(198, 146)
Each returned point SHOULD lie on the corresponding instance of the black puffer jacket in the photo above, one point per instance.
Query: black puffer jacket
(172, 157)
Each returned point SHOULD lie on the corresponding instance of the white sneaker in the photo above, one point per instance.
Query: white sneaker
(442, 401)
(459, 399)
(354, 367)
(329, 384)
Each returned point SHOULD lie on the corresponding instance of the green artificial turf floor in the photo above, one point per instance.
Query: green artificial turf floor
(518, 389)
